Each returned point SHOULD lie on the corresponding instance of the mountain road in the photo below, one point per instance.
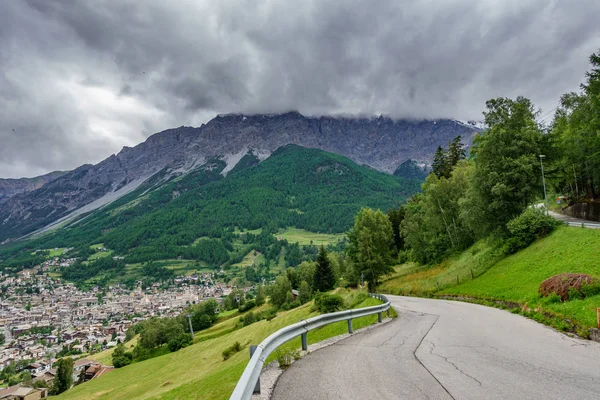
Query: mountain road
(438, 349)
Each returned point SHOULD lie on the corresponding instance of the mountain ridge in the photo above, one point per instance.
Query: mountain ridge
(378, 142)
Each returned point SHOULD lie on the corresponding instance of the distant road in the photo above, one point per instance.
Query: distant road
(438, 349)
(575, 221)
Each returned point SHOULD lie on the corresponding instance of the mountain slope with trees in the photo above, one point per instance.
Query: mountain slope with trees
(305, 188)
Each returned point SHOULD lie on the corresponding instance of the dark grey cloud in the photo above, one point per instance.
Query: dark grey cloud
(81, 79)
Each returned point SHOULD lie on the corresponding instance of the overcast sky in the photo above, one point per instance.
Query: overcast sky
(81, 79)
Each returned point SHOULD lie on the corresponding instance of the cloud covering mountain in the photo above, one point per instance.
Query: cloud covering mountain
(80, 79)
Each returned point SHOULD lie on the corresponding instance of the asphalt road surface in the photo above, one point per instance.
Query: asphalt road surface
(439, 349)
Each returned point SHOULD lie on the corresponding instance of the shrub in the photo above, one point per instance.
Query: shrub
(180, 342)
(327, 303)
(526, 228)
(269, 314)
(289, 306)
(570, 286)
(121, 361)
(250, 304)
(231, 350)
(249, 319)
(285, 357)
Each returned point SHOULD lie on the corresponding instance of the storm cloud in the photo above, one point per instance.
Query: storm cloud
(81, 79)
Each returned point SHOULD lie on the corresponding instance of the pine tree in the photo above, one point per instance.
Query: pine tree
(456, 152)
(324, 279)
(440, 163)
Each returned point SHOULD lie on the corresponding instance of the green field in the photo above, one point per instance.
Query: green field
(252, 258)
(199, 371)
(304, 238)
(56, 252)
(515, 278)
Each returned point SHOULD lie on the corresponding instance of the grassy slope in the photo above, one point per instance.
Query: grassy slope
(304, 237)
(412, 278)
(514, 278)
(199, 371)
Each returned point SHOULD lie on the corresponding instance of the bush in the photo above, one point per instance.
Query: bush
(249, 319)
(289, 306)
(231, 350)
(285, 357)
(181, 341)
(269, 314)
(247, 306)
(525, 229)
(121, 361)
(327, 303)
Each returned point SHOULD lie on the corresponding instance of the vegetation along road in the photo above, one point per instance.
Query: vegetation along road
(440, 349)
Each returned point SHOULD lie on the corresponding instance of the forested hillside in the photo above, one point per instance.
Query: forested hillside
(304, 188)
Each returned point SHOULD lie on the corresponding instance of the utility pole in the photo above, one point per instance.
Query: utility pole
(544, 182)
(189, 317)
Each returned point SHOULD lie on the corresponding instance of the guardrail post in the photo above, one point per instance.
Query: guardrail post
(350, 330)
(379, 317)
(304, 341)
(257, 386)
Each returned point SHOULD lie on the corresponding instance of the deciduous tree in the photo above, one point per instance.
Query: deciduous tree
(371, 240)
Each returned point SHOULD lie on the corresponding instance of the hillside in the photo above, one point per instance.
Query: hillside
(196, 216)
(513, 279)
(199, 371)
(380, 143)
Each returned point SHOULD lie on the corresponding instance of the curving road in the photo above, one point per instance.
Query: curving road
(439, 349)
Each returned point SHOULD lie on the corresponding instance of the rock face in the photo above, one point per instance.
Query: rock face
(12, 187)
(381, 143)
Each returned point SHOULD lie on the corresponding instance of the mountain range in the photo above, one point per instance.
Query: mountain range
(381, 143)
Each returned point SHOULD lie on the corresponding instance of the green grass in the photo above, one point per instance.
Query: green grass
(252, 258)
(99, 254)
(514, 278)
(305, 238)
(413, 279)
(199, 371)
(56, 252)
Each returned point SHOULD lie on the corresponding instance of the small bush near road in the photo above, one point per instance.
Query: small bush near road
(231, 350)
(570, 286)
(327, 303)
(285, 357)
(525, 229)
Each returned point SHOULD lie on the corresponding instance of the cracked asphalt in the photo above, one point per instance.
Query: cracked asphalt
(439, 349)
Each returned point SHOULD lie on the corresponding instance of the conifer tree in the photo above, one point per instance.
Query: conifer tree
(324, 279)
(440, 163)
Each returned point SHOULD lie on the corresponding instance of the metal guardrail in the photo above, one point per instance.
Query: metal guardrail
(583, 224)
(249, 379)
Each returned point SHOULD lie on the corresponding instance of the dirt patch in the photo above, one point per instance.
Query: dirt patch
(563, 283)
